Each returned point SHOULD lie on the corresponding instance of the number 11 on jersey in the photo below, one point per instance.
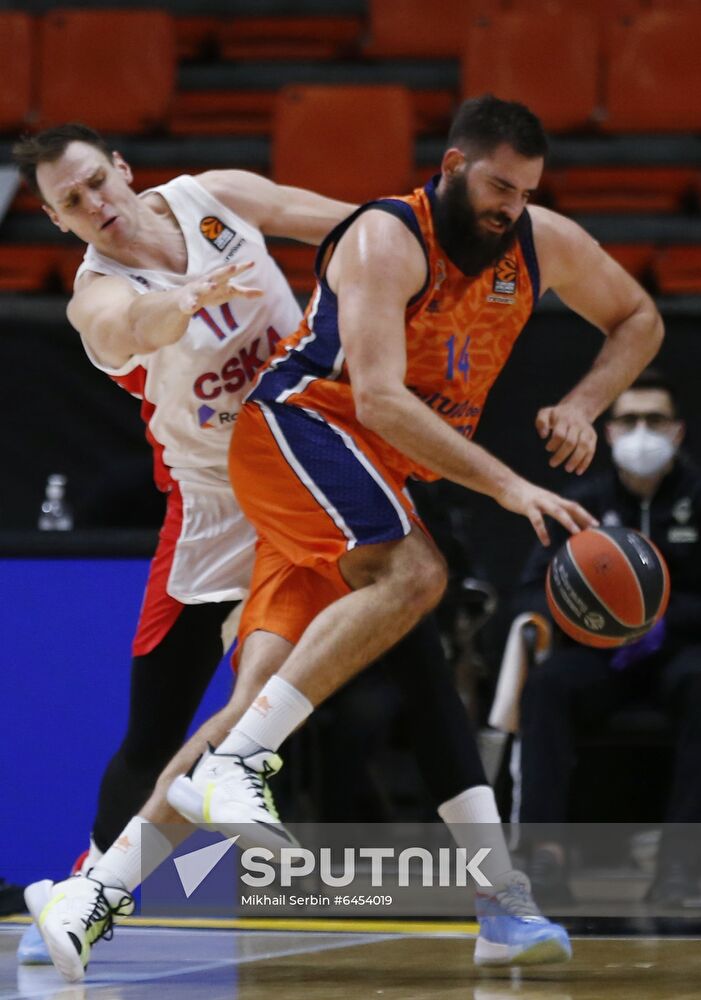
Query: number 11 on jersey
(227, 319)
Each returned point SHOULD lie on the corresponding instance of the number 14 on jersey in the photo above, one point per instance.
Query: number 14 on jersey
(458, 358)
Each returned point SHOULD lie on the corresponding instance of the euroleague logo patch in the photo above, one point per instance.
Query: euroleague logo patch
(505, 276)
(214, 230)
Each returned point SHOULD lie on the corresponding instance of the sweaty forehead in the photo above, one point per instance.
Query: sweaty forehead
(643, 401)
(74, 167)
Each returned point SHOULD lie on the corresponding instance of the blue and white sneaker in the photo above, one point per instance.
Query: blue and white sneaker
(513, 931)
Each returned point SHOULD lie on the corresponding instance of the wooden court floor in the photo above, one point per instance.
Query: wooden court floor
(310, 965)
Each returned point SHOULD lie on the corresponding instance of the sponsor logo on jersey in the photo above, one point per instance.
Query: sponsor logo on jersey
(204, 415)
(214, 230)
(505, 276)
(449, 409)
(239, 370)
(209, 419)
(441, 274)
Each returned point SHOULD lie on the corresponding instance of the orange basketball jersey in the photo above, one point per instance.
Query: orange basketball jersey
(460, 331)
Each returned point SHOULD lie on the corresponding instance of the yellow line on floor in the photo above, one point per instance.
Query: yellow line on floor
(301, 924)
(282, 924)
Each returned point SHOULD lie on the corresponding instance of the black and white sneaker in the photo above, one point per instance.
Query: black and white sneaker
(72, 915)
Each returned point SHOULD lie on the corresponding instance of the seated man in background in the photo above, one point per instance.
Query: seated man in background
(651, 487)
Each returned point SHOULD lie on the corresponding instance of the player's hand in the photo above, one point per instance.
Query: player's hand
(569, 434)
(535, 503)
(216, 288)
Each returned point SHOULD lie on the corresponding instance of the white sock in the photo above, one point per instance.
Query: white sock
(124, 864)
(91, 858)
(474, 822)
(277, 711)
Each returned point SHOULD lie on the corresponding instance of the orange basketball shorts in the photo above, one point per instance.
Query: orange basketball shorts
(313, 491)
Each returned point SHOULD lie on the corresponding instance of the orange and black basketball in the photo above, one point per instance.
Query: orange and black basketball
(607, 586)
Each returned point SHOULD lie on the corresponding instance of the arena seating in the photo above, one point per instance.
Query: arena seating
(113, 68)
(313, 123)
(214, 83)
(506, 54)
(16, 56)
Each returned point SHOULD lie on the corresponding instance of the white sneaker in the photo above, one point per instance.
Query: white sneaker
(231, 794)
(513, 931)
(31, 949)
(78, 912)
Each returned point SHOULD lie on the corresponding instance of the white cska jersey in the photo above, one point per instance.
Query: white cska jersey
(192, 390)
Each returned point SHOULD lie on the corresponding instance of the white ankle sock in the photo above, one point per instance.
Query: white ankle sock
(124, 864)
(277, 711)
(91, 858)
(474, 822)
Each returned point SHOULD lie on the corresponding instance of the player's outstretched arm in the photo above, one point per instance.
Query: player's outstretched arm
(116, 321)
(597, 288)
(275, 209)
(376, 269)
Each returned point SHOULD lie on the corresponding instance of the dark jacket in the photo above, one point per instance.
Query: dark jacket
(672, 519)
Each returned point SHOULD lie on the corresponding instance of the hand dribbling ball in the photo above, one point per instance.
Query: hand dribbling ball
(607, 586)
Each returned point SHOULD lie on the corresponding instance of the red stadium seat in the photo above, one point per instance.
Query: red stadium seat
(622, 189)
(16, 58)
(197, 36)
(27, 268)
(112, 69)
(273, 37)
(222, 112)
(636, 258)
(547, 59)
(653, 71)
(302, 37)
(353, 143)
(677, 270)
(297, 264)
(250, 112)
(421, 28)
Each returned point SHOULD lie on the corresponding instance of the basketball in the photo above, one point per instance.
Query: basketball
(607, 586)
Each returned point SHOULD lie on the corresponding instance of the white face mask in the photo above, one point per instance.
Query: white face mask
(642, 452)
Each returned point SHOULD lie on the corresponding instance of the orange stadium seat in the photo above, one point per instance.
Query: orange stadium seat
(353, 143)
(27, 267)
(434, 29)
(548, 59)
(196, 36)
(222, 112)
(113, 69)
(67, 263)
(622, 189)
(297, 264)
(274, 37)
(250, 112)
(677, 270)
(16, 56)
(653, 71)
(636, 258)
(310, 37)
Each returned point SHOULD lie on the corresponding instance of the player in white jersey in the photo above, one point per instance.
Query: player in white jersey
(177, 300)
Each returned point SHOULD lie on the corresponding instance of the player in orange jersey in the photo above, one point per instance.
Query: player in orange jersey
(418, 303)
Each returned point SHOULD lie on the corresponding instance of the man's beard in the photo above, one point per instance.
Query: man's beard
(470, 247)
